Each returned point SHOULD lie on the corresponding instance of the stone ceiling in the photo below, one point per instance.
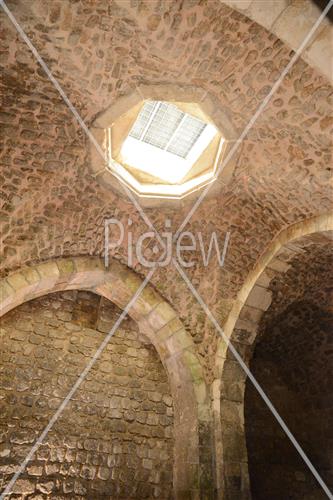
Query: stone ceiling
(295, 332)
(308, 279)
(100, 51)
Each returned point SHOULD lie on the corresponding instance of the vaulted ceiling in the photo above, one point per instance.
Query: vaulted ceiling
(100, 51)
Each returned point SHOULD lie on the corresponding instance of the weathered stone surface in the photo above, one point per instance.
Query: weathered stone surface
(291, 362)
(50, 193)
(123, 407)
(54, 207)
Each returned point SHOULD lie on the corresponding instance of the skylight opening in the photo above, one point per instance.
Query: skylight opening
(165, 141)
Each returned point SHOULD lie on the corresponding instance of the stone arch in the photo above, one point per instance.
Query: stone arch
(241, 328)
(291, 21)
(159, 322)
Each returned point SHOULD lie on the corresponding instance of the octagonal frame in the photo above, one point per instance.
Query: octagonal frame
(112, 174)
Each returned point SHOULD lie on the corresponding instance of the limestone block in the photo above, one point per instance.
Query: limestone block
(160, 316)
(233, 412)
(83, 264)
(260, 298)
(294, 24)
(66, 267)
(118, 108)
(251, 314)
(6, 291)
(167, 92)
(238, 4)
(285, 254)
(48, 270)
(170, 329)
(267, 11)
(98, 153)
(150, 297)
(17, 281)
(264, 279)
(23, 486)
(31, 275)
(200, 392)
(244, 332)
(319, 53)
(278, 265)
(178, 342)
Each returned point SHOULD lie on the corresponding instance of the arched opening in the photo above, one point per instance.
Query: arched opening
(293, 362)
(242, 327)
(157, 321)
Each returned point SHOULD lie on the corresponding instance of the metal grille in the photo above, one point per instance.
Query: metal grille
(142, 120)
(186, 136)
(166, 127)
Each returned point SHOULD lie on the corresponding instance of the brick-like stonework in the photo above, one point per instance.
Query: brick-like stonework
(156, 320)
(293, 363)
(115, 438)
(291, 21)
(54, 208)
(296, 267)
(99, 52)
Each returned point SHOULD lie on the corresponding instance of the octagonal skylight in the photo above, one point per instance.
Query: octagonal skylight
(165, 141)
(161, 148)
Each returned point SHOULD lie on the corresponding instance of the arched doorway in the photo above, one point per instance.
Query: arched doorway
(241, 327)
(293, 362)
(158, 322)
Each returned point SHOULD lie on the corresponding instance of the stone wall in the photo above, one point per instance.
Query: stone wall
(291, 21)
(293, 362)
(100, 51)
(53, 206)
(115, 438)
(295, 269)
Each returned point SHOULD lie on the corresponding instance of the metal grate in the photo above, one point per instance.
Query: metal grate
(166, 127)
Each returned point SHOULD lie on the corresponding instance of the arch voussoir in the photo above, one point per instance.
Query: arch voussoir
(157, 319)
(241, 328)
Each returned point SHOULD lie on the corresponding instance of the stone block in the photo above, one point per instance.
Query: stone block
(319, 53)
(179, 341)
(23, 487)
(259, 298)
(35, 470)
(66, 267)
(119, 107)
(251, 314)
(241, 5)
(233, 412)
(266, 12)
(295, 22)
(46, 487)
(160, 316)
(48, 270)
(17, 281)
(84, 264)
(174, 92)
(31, 275)
(278, 265)
(174, 326)
(6, 291)
(243, 334)
(264, 279)
(150, 297)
